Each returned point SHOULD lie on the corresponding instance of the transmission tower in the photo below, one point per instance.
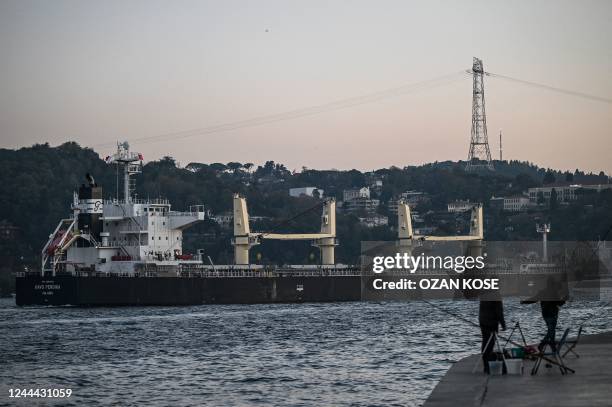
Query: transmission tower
(479, 156)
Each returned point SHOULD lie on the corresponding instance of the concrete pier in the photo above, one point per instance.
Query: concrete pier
(590, 386)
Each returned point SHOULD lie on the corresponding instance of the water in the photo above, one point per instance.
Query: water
(341, 354)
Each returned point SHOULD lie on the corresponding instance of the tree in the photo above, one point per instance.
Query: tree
(195, 167)
(553, 204)
(218, 167)
(569, 177)
(281, 171)
(523, 181)
(268, 168)
(603, 178)
(549, 178)
(234, 166)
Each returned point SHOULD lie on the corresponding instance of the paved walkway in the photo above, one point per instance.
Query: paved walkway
(590, 386)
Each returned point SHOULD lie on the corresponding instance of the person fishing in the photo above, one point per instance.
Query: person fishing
(550, 314)
(490, 318)
(552, 298)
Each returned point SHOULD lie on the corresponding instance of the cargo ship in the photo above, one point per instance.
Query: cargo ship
(129, 252)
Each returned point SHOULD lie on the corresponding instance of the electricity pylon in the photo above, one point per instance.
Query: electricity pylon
(479, 156)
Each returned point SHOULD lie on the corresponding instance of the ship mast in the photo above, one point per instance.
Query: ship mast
(132, 164)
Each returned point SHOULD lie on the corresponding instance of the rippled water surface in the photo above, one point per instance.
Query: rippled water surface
(283, 354)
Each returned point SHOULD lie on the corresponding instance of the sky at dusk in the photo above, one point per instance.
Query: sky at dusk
(164, 74)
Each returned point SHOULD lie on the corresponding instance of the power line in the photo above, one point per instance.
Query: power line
(553, 88)
(306, 111)
(346, 103)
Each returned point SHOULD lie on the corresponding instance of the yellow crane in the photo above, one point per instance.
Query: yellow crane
(244, 239)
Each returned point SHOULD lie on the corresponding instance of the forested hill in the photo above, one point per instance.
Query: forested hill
(37, 185)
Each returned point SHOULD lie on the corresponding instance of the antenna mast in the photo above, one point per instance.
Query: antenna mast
(544, 230)
(132, 164)
(479, 156)
(500, 146)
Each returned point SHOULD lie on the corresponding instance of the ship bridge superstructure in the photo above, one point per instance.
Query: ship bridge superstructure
(122, 236)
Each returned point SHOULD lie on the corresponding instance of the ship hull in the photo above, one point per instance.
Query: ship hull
(141, 291)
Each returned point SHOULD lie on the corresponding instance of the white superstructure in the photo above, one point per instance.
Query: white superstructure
(128, 235)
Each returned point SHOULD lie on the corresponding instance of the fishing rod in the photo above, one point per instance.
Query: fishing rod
(508, 340)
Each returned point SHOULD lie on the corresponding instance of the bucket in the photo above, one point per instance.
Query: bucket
(517, 353)
(496, 368)
(514, 366)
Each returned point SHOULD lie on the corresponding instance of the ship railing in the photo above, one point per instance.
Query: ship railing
(324, 272)
(154, 201)
(188, 213)
(194, 271)
(224, 273)
(133, 228)
(123, 243)
(209, 273)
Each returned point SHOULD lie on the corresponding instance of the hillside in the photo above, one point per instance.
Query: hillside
(38, 183)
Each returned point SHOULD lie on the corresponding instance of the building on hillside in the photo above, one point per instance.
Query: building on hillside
(376, 184)
(517, 203)
(374, 181)
(350, 194)
(426, 230)
(565, 192)
(306, 191)
(361, 204)
(415, 197)
(374, 220)
(596, 187)
(416, 217)
(412, 198)
(224, 219)
(460, 206)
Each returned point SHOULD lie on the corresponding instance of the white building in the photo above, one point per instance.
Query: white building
(412, 198)
(460, 206)
(306, 191)
(361, 204)
(565, 193)
(374, 220)
(224, 219)
(374, 181)
(350, 194)
(517, 203)
(426, 230)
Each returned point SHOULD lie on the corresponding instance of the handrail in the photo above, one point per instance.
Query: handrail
(154, 201)
(193, 272)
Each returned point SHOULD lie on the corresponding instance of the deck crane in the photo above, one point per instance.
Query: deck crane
(244, 239)
(406, 236)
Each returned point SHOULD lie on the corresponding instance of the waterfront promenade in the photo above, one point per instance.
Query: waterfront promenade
(590, 386)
